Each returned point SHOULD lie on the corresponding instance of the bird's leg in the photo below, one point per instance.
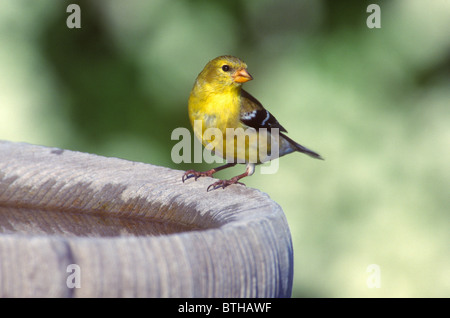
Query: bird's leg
(235, 180)
(197, 174)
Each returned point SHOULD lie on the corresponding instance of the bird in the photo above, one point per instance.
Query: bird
(218, 102)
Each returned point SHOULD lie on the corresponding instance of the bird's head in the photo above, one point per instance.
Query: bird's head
(225, 71)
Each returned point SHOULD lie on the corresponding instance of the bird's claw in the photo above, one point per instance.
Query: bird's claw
(223, 184)
(216, 185)
(196, 174)
(187, 175)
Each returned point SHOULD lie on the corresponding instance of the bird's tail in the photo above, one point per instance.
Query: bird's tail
(300, 148)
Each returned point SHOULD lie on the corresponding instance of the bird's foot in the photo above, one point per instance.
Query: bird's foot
(224, 183)
(197, 174)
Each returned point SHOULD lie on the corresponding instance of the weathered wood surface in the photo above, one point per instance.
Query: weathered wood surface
(134, 230)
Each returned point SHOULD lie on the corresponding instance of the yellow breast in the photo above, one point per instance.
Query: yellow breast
(215, 109)
(210, 110)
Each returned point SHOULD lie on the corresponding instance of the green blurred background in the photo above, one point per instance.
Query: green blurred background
(374, 102)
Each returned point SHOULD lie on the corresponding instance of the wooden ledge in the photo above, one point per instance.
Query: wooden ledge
(133, 230)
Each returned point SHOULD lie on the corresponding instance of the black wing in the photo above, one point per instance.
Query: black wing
(253, 114)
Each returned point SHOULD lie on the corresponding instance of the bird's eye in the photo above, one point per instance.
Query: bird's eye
(225, 68)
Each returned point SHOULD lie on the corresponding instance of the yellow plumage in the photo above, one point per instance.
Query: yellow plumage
(232, 123)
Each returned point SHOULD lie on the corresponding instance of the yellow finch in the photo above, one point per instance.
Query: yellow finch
(237, 119)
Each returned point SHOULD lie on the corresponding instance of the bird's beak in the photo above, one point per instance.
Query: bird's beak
(242, 76)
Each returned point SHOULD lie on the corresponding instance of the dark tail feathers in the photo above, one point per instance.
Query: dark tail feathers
(300, 148)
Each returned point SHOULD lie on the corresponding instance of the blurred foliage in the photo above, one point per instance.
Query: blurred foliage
(374, 102)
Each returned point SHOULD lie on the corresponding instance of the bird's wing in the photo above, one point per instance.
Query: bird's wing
(253, 114)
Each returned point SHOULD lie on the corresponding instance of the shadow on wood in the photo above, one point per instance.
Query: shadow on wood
(133, 230)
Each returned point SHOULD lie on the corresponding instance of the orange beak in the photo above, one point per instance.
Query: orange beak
(242, 76)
